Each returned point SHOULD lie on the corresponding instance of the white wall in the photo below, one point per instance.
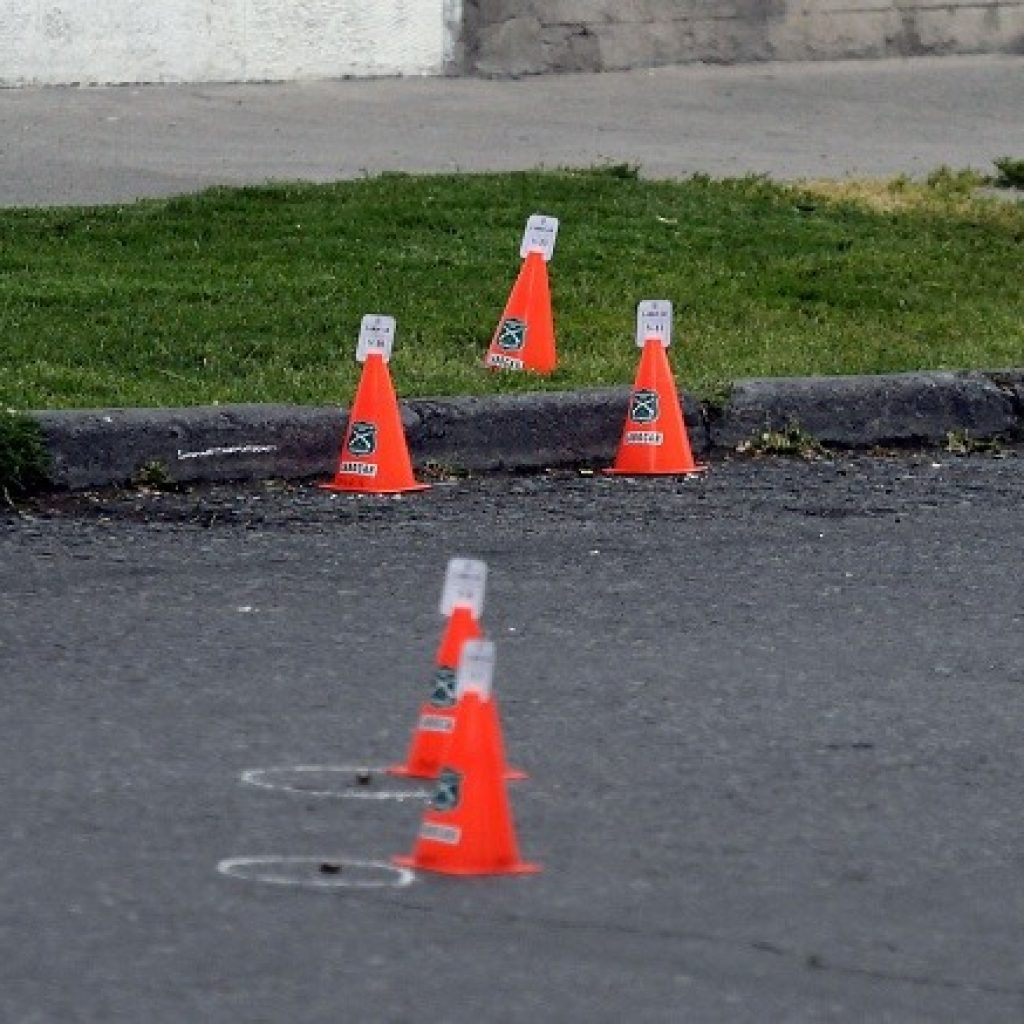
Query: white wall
(44, 42)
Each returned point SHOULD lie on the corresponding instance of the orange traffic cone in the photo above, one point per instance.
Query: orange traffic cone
(468, 828)
(525, 336)
(374, 457)
(654, 439)
(436, 721)
(462, 600)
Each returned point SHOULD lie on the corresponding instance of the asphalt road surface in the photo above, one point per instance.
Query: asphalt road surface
(773, 721)
(827, 119)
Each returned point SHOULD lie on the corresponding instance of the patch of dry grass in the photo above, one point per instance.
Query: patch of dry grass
(944, 192)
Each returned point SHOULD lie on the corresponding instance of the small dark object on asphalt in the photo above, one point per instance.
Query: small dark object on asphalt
(363, 777)
(330, 868)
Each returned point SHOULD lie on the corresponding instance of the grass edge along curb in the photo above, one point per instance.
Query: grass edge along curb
(255, 294)
(24, 458)
(527, 432)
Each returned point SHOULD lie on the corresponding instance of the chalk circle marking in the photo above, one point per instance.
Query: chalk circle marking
(341, 782)
(317, 872)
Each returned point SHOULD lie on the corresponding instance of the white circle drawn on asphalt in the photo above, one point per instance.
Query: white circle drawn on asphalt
(340, 782)
(317, 872)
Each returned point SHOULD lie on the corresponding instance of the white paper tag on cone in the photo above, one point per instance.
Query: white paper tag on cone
(654, 320)
(476, 669)
(539, 236)
(464, 583)
(376, 334)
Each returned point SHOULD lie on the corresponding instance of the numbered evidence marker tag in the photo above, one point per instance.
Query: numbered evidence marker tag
(376, 334)
(464, 584)
(654, 320)
(476, 668)
(539, 236)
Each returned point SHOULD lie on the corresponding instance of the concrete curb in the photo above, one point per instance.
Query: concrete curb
(888, 410)
(97, 448)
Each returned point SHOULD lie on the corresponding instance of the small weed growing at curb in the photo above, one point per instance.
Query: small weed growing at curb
(716, 394)
(23, 456)
(1011, 172)
(439, 471)
(152, 475)
(793, 441)
(960, 442)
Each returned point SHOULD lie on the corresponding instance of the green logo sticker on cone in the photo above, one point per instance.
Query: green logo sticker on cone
(644, 406)
(512, 335)
(363, 440)
(446, 796)
(443, 695)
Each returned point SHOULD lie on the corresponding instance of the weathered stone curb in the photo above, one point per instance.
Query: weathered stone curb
(509, 432)
(97, 448)
(899, 409)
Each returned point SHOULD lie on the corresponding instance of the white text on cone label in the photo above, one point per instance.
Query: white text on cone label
(464, 584)
(376, 334)
(654, 320)
(539, 236)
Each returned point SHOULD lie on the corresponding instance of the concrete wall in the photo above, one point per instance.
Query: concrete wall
(46, 42)
(103, 41)
(526, 36)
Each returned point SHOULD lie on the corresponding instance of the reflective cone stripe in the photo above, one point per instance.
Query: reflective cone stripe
(436, 722)
(374, 456)
(468, 827)
(654, 439)
(525, 336)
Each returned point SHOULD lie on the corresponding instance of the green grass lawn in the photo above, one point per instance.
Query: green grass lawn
(255, 295)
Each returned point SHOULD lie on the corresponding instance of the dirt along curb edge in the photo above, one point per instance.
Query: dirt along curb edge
(97, 448)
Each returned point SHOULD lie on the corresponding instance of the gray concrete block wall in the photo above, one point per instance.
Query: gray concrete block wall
(512, 37)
